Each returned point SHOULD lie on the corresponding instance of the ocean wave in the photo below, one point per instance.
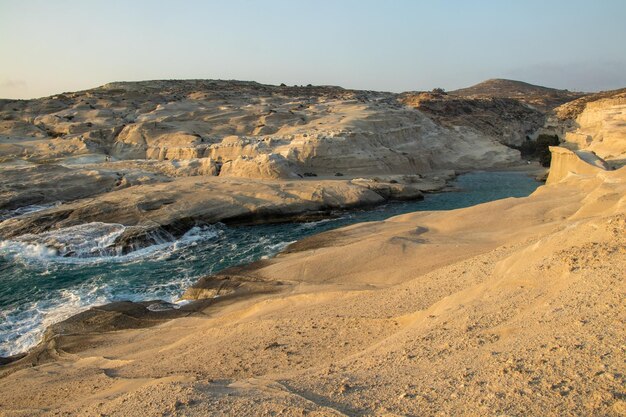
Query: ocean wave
(23, 324)
(95, 242)
(313, 225)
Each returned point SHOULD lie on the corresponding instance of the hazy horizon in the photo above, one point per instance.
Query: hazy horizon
(53, 47)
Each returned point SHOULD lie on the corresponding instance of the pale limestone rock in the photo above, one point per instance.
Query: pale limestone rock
(601, 128)
(320, 129)
(271, 166)
(566, 162)
(179, 204)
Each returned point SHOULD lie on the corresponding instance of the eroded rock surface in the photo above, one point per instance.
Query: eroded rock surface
(513, 307)
(598, 124)
(423, 313)
(164, 155)
(507, 120)
(323, 129)
(167, 154)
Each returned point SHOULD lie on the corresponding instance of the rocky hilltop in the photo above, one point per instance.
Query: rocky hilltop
(157, 155)
(324, 130)
(541, 98)
(596, 123)
(509, 120)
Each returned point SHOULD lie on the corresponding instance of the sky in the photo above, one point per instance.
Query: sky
(49, 47)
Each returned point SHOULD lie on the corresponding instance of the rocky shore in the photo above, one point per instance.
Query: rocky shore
(163, 156)
(511, 307)
(423, 312)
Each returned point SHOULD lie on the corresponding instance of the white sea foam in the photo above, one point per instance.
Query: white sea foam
(28, 250)
(162, 306)
(312, 225)
(160, 271)
(22, 326)
(95, 242)
(89, 239)
(277, 247)
(7, 214)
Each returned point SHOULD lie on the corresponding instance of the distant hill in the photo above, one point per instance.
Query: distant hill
(543, 98)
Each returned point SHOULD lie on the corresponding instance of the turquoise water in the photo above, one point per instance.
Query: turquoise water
(38, 287)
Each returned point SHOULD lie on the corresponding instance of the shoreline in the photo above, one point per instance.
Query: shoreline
(491, 297)
(236, 205)
(379, 317)
(149, 317)
(173, 208)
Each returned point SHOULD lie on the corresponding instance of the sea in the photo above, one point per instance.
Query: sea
(41, 285)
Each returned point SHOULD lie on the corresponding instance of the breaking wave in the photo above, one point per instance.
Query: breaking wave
(94, 242)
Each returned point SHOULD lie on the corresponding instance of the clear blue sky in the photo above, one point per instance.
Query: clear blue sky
(53, 46)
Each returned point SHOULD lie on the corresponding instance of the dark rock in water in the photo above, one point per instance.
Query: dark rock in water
(153, 213)
(116, 316)
(34, 223)
(138, 237)
(396, 191)
(9, 359)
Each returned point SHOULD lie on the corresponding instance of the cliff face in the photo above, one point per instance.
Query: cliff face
(461, 312)
(597, 123)
(566, 162)
(152, 135)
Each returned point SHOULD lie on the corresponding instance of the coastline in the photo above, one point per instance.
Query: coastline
(393, 309)
(150, 318)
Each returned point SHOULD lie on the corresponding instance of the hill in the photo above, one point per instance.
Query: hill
(543, 98)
